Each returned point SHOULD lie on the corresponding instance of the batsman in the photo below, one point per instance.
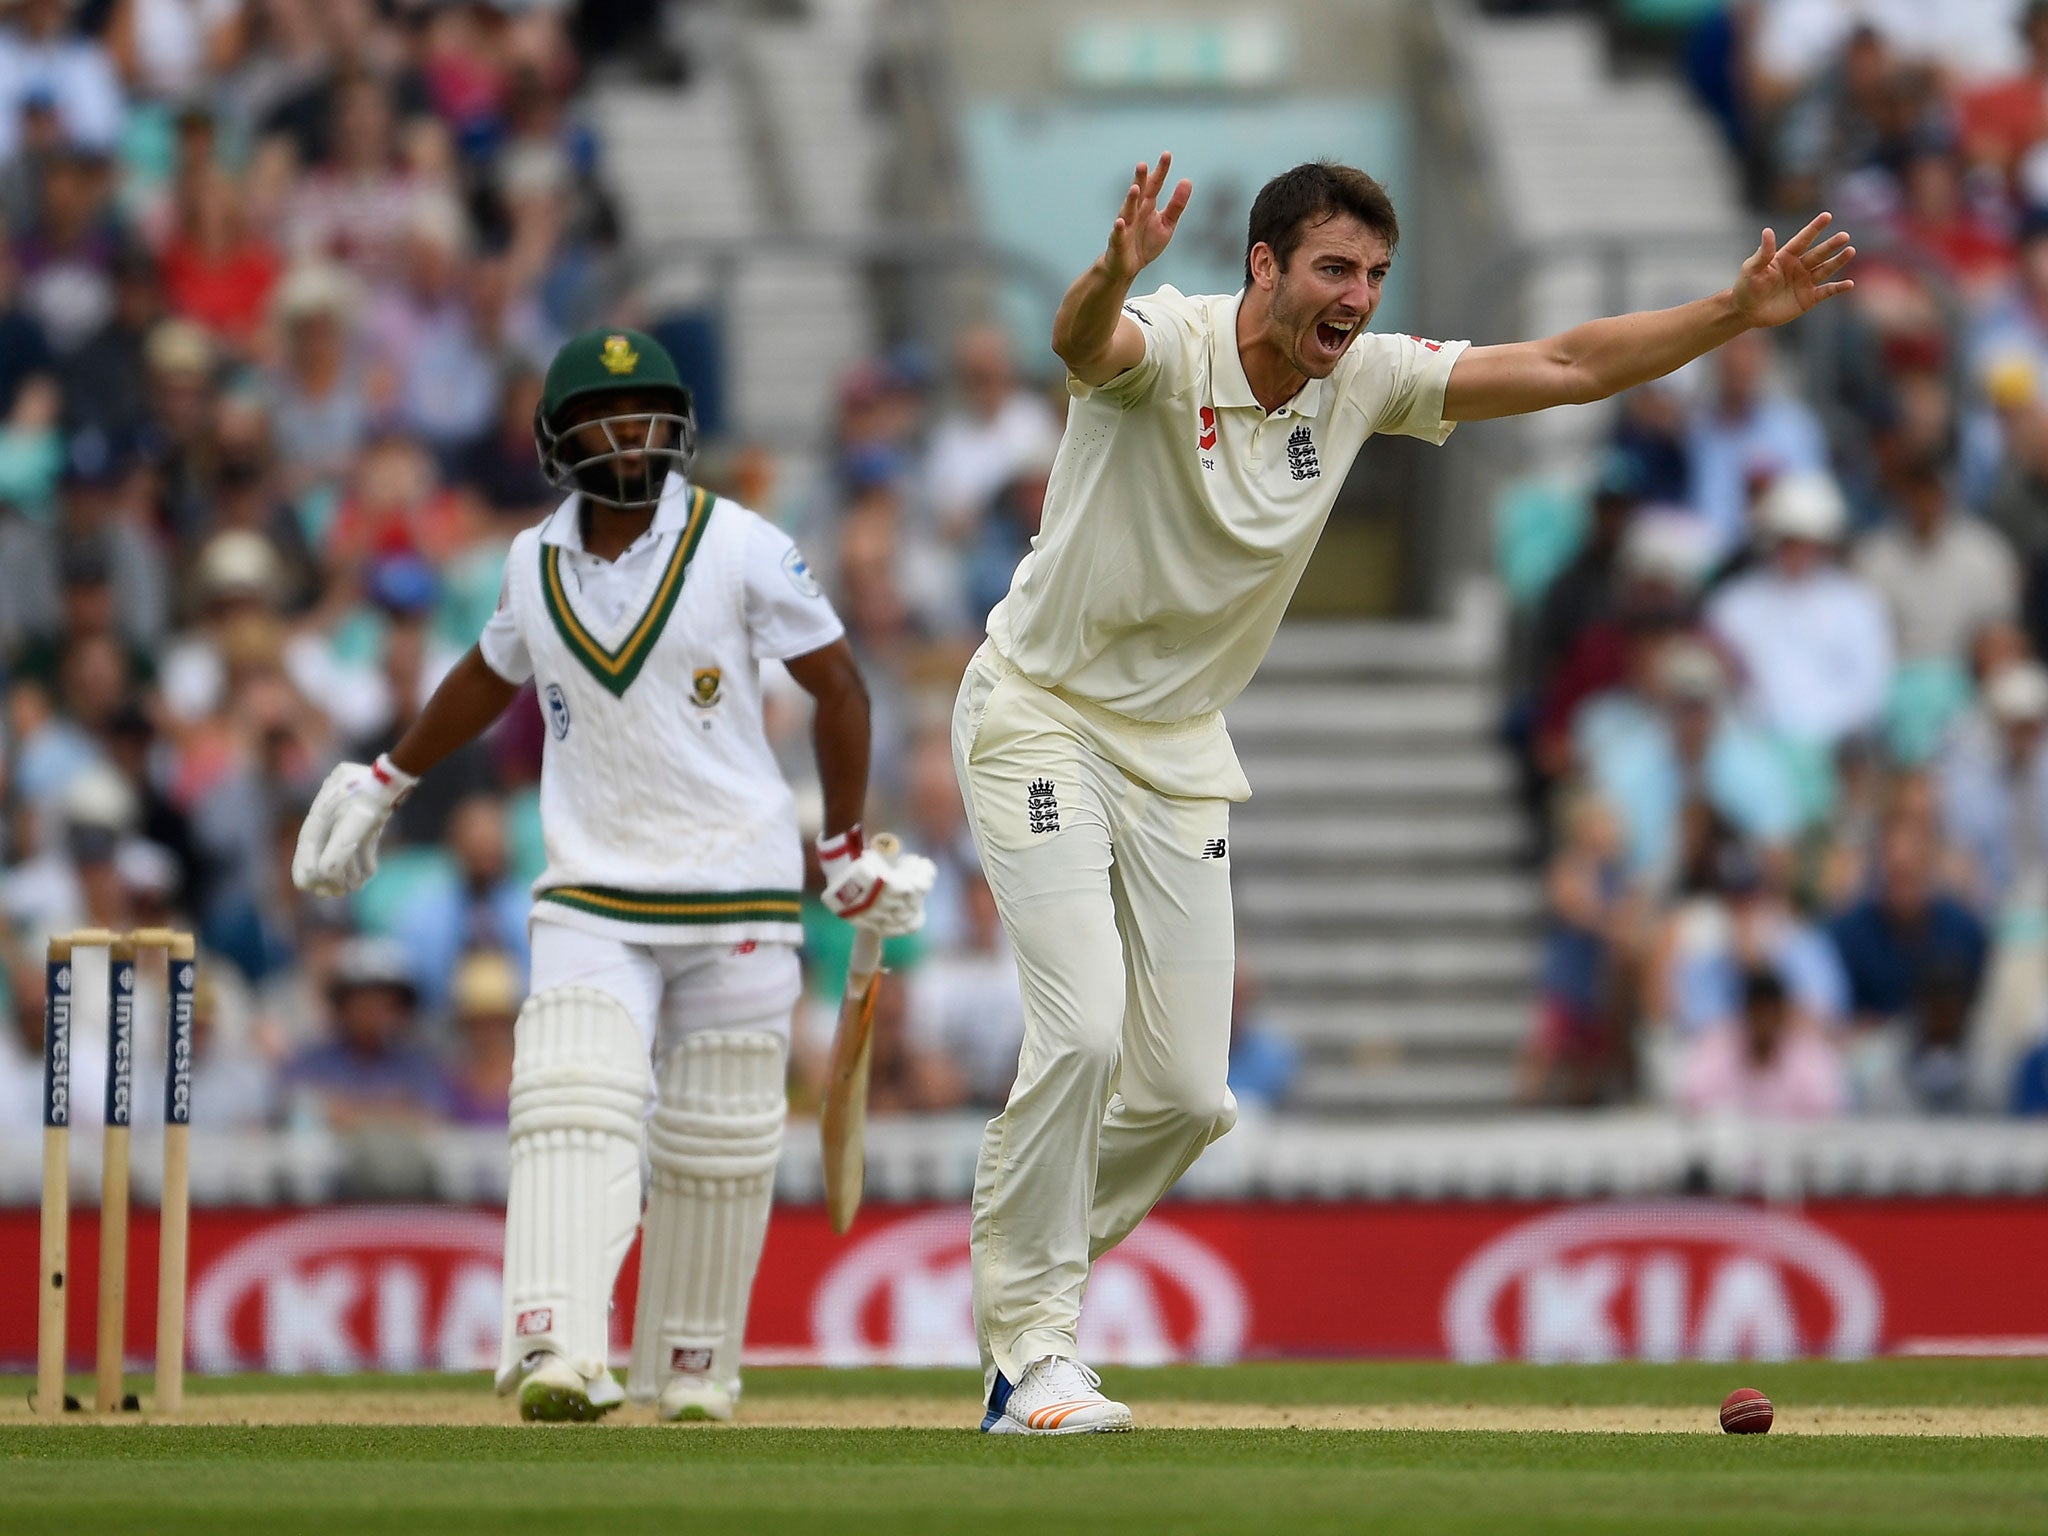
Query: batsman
(666, 923)
(1206, 439)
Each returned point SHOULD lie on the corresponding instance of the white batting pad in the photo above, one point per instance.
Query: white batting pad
(712, 1145)
(579, 1097)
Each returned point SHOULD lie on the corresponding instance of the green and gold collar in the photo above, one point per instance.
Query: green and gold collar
(617, 666)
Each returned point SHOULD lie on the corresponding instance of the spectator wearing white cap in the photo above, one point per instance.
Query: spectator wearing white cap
(237, 573)
(1650, 754)
(320, 398)
(1813, 642)
(370, 1073)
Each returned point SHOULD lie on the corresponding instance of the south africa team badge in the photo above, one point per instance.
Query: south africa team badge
(704, 686)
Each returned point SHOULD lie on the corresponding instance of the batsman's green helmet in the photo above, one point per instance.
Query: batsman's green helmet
(622, 473)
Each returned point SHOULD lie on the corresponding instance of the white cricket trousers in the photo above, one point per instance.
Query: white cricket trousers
(1117, 902)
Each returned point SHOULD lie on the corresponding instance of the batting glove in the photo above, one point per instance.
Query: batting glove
(872, 891)
(337, 849)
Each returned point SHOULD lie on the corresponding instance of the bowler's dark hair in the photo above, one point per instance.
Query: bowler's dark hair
(1289, 204)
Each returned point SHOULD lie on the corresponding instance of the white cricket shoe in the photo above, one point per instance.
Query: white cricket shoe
(696, 1399)
(1054, 1397)
(552, 1391)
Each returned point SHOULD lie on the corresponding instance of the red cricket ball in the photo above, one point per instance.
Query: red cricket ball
(1746, 1412)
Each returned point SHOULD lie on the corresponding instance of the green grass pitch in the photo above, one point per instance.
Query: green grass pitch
(85, 1477)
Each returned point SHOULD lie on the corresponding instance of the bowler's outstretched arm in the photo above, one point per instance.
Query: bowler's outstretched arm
(1604, 357)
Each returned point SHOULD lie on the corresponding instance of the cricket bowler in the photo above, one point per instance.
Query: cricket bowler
(666, 924)
(1206, 439)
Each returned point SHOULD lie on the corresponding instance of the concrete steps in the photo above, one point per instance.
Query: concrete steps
(1380, 879)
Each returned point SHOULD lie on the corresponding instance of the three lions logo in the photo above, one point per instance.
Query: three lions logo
(704, 683)
(618, 355)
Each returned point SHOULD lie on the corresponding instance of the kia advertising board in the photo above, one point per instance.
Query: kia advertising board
(416, 1287)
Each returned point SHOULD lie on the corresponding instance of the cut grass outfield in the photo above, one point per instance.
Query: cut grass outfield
(87, 1477)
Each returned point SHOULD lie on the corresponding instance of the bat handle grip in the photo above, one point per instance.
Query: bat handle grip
(867, 953)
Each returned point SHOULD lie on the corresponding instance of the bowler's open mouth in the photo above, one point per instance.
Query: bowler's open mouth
(1333, 335)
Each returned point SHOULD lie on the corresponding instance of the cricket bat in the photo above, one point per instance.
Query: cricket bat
(843, 1116)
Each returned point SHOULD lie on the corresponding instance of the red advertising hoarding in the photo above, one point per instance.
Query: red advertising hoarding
(369, 1287)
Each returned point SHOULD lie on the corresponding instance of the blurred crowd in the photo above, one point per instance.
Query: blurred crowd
(278, 283)
(1785, 716)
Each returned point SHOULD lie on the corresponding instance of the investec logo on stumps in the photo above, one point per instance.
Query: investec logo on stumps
(120, 1041)
(178, 1086)
(57, 1049)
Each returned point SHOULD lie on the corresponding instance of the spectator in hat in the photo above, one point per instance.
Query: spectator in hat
(1749, 426)
(237, 573)
(1649, 752)
(1812, 641)
(1942, 574)
(41, 58)
(370, 1073)
(2014, 327)
(179, 362)
(99, 815)
(1764, 1062)
(247, 495)
(319, 392)
(485, 1003)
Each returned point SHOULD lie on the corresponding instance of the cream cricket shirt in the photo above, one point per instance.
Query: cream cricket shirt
(1180, 515)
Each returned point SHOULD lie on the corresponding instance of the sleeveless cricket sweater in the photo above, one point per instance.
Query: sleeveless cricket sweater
(665, 817)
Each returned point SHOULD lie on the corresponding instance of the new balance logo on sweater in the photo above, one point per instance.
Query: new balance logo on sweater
(1042, 806)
